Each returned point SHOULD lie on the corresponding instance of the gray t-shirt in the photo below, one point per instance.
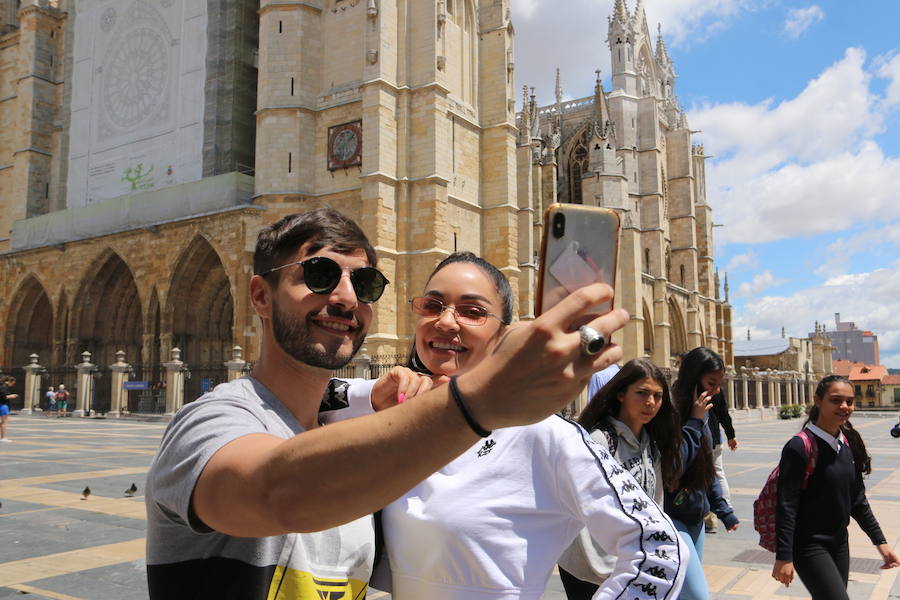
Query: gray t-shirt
(185, 559)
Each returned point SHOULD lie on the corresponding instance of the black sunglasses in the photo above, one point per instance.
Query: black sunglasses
(321, 275)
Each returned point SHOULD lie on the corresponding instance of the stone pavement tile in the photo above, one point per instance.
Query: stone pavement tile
(122, 581)
(124, 507)
(69, 475)
(718, 577)
(17, 590)
(37, 534)
(38, 568)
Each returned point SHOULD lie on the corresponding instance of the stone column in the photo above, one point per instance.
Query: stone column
(120, 373)
(32, 385)
(746, 400)
(237, 363)
(758, 383)
(362, 366)
(175, 372)
(729, 389)
(85, 385)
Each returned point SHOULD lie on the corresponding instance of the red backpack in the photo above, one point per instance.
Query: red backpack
(764, 505)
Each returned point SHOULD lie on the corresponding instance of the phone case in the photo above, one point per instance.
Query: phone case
(583, 251)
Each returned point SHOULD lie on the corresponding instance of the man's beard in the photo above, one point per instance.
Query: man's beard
(292, 334)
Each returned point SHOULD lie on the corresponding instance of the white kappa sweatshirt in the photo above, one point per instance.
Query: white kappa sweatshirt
(493, 522)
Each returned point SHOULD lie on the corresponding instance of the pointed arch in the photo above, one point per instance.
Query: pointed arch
(200, 312)
(29, 323)
(648, 330)
(61, 330)
(677, 331)
(577, 160)
(107, 315)
(151, 355)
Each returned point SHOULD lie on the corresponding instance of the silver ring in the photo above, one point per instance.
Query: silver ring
(592, 341)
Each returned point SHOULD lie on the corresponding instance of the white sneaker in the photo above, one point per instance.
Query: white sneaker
(5, 440)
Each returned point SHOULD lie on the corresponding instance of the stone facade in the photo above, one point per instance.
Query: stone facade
(422, 93)
(432, 84)
(630, 149)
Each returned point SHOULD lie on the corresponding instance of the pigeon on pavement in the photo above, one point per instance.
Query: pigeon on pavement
(85, 493)
(130, 491)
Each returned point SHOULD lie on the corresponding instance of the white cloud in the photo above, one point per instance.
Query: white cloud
(868, 241)
(748, 260)
(804, 166)
(801, 19)
(889, 68)
(870, 299)
(760, 283)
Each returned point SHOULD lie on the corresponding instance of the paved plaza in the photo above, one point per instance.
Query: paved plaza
(55, 545)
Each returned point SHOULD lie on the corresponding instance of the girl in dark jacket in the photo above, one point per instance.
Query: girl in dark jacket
(811, 523)
(698, 491)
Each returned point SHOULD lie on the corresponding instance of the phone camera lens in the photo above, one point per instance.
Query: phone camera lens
(559, 225)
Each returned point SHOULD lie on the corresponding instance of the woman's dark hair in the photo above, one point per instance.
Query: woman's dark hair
(664, 428)
(695, 364)
(501, 284)
(325, 227)
(860, 455)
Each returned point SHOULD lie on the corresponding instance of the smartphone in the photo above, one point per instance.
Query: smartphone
(580, 246)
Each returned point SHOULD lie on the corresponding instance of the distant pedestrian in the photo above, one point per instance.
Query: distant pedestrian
(600, 379)
(51, 401)
(811, 523)
(699, 380)
(6, 384)
(719, 418)
(62, 400)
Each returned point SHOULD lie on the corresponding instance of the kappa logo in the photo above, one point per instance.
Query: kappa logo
(628, 487)
(647, 588)
(657, 572)
(639, 505)
(486, 449)
(659, 536)
(661, 553)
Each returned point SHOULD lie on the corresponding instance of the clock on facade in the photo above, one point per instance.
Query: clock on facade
(345, 145)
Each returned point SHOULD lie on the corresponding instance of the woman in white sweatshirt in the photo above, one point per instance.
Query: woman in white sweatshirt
(492, 523)
(633, 416)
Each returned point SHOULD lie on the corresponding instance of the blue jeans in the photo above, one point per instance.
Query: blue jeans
(694, 587)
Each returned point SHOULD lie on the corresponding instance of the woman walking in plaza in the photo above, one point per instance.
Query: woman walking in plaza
(632, 416)
(493, 522)
(6, 384)
(811, 520)
(697, 491)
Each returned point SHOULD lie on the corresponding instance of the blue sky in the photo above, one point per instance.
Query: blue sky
(799, 104)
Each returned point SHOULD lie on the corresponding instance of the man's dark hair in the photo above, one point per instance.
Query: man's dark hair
(325, 227)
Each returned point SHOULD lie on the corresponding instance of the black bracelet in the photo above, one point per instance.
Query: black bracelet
(457, 397)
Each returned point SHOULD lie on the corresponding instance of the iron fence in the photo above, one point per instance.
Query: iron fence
(377, 366)
(202, 378)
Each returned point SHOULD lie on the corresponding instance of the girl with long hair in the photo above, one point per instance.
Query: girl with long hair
(811, 522)
(492, 523)
(697, 490)
(633, 416)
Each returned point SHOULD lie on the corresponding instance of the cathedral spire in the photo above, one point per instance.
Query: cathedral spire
(559, 91)
(726, 287)
(640, 16)
(662, 55)
(621, 11)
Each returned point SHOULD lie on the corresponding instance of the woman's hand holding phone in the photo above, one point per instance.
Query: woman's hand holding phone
(702, 404)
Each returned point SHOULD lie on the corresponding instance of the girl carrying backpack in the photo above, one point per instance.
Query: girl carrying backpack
(633, 416)
(811, 521)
